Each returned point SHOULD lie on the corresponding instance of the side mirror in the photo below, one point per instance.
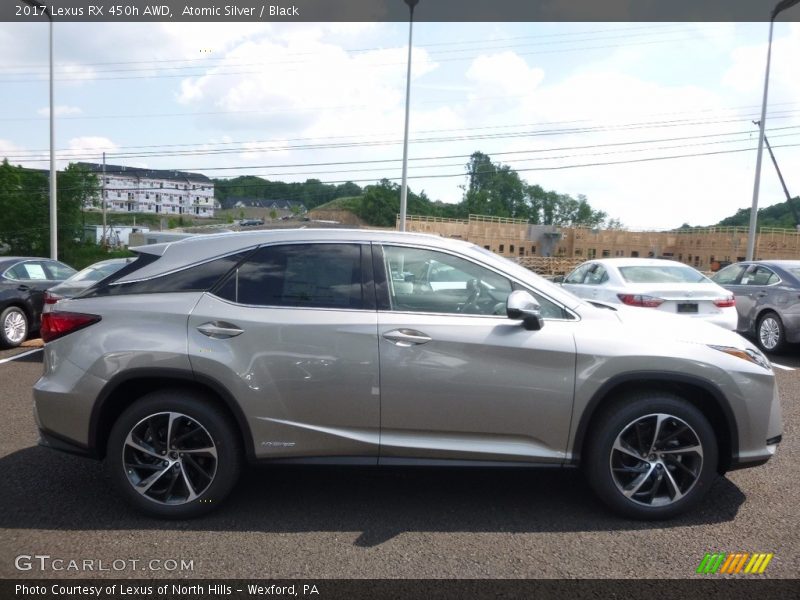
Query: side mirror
(558, 279)
(521, 305)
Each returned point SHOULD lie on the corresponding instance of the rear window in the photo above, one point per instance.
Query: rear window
(659, 274)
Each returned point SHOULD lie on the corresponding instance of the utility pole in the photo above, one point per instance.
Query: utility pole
(104, 242)
(792, 207)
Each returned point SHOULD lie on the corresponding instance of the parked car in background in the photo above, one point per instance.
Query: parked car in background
(23, 281)
(335, 346)
(767, 300)
(251, 222)
(82, 280)
(665, 285)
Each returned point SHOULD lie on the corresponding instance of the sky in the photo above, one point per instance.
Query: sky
(580, 108)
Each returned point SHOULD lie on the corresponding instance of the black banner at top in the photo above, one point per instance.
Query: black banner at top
(288, 11)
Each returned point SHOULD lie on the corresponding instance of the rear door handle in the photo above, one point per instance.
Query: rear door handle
(219, 330)
(23, 288)
(406, 337)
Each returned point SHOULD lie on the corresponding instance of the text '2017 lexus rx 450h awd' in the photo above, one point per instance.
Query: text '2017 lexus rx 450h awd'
(384, 348)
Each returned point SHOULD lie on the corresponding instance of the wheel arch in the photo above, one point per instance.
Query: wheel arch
(702, 394)
(123, 390)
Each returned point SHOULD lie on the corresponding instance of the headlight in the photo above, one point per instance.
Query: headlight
(753, 356)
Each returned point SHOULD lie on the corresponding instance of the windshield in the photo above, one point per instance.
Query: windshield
(662, 274)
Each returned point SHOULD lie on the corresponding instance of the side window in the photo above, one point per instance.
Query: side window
(578, 274)
(298, 275)
(29, 270)
(58, 270)
(429, 281)
(761, 276)
(728, 275)
(197, 278)
(597, 276)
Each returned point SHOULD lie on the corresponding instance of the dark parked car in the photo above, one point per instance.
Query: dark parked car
(84, 279)
(22, 285)
(767, 300)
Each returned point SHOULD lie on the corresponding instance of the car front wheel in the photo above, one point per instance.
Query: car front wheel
(174, 454)
(651, 456)
(771, 336)
(13, 327)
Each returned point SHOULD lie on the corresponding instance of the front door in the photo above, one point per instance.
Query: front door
(459, 380)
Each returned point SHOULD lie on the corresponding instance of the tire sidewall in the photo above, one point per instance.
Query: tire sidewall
(598, 468)
(4, 341)
(216, 423)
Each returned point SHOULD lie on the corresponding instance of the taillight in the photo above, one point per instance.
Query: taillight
(640, 300)
(725, 302)
(51, 298)
(58, 324)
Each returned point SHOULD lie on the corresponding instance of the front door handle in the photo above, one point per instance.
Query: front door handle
(219, 330)
(406, 337)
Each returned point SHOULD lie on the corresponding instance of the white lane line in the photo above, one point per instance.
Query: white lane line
(16, 356)
(777, 366)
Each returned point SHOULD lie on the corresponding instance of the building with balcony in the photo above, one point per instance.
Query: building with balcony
(159, 191)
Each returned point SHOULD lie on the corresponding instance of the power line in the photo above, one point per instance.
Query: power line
(469, 42)
(369, 66)
(83, 154)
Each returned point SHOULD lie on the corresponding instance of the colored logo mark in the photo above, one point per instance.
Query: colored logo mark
(734, 563)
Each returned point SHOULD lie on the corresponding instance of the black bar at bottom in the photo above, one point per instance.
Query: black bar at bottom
(711, 587)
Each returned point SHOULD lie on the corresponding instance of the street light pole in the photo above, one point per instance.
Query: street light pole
(404, 184)
(751, 234)
(53, 181)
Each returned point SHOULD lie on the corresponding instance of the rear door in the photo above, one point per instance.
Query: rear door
(459, 380)
(292, 334)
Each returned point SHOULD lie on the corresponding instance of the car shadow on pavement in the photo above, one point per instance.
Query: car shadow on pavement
(48, 490)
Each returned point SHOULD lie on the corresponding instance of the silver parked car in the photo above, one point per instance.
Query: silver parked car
(366, 347)
(663, 285)
(767, 300)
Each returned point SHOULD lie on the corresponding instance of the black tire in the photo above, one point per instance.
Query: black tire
(16, 320)
(610, 471)
(770, 333)
(187, 468)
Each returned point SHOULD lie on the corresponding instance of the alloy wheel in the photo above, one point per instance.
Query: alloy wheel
(769, 333)
(169, 458)
(656, 460)
(15, 327)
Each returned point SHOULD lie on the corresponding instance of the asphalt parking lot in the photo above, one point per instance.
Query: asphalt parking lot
(371, 523)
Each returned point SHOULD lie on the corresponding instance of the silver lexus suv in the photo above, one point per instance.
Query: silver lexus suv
(367, 347)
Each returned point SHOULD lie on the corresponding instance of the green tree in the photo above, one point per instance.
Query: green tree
(24, 206)
(380, 204)
(76, 187)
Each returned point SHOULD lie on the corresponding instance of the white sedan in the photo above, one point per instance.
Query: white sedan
(664, 285)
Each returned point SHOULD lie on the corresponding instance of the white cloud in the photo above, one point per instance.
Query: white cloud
(62, 110)
(503, 73)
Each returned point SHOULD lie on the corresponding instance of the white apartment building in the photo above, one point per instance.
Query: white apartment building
(159, 191)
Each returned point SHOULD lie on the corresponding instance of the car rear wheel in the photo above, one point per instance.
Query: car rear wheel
(771, 336)
(13, 327)
(651, 456)
(174, 454)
